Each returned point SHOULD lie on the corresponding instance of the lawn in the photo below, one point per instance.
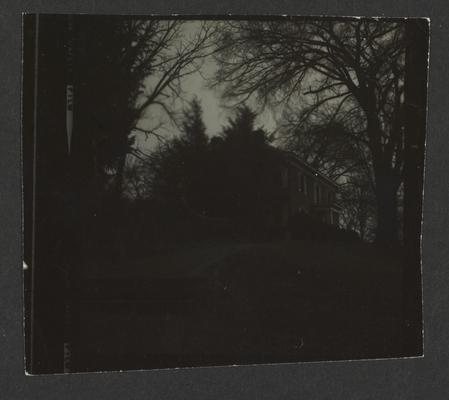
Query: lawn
(240, 303)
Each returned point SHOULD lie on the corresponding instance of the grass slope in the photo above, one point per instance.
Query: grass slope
(228, 303)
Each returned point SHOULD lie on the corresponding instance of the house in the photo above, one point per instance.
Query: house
(303, 189)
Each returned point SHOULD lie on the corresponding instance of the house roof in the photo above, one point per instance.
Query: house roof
(293, 158)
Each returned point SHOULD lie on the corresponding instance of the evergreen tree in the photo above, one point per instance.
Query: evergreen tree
(194, 130)
(241, 129)
(244, 170)
(230, 179)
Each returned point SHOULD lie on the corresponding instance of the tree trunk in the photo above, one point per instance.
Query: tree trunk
(386, 180)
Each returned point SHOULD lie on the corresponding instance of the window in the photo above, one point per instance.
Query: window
(317, 194)
(303, 184)
(300, 182)
(284, 177)
(335, 218)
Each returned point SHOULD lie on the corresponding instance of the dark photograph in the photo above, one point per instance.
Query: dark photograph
(221, 191)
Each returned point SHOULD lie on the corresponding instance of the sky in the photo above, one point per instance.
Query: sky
(215, 114)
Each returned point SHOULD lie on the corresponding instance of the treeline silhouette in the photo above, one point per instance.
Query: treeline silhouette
(227, 187)
(337, 139)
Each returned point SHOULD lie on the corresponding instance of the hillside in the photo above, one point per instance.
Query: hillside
(214, 304)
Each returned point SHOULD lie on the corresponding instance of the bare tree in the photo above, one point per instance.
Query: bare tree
(137, 179)
(351, 65)
(176, 54)
(133, 66)
(164, 53)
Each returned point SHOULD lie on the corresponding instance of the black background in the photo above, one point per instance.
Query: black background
(423, 378)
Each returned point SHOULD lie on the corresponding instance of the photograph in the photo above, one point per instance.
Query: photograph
(221, 191)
